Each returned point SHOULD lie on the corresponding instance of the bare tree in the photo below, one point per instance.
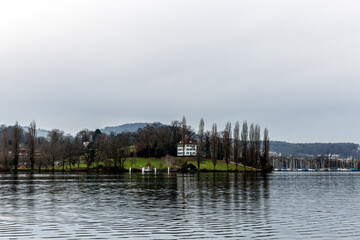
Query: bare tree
(200, 154)
(69, 152)
(227, 144)
(157, 140)
(145, 140)
(207, 139)
(214, 144)
(78, 149)
(236, 144)
(32, 134)
(257, 144)
(170, 161)
(118, 149)
(100, 145)
(265, 152)
(244, 143)
(87, 150)
(183, 133)
(56, 137)
(45, 153)
(111, 150)
(5, 147)
(252, 144)
(16, 145)
(220, 152)
(175, 136)
(124, 149)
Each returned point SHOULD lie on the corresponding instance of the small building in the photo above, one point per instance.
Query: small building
(190, 148)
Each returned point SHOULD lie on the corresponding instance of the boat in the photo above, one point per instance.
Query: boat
(303, 169)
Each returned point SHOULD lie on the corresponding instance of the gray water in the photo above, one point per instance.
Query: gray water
(295, 205)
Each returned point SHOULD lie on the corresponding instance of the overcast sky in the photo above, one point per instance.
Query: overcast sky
(291, 66)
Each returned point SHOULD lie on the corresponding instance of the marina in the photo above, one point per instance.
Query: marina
(316, 170)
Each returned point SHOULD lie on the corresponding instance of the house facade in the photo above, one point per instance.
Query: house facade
(189, 151)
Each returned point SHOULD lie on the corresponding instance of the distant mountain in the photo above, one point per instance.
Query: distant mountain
(129, 127)
(40, 132)
(304, 150)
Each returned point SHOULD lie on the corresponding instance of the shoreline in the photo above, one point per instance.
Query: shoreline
(114, 170)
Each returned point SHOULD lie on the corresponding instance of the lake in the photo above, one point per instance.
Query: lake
(291, 205)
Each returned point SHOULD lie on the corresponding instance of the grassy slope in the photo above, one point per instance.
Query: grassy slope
(159, 163)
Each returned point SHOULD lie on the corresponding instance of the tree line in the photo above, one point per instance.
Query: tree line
(112, 150)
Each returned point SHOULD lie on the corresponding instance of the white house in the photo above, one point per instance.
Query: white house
(190, 148)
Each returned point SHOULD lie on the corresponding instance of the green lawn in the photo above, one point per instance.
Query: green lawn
(81, 165)
(220, 165)
(142, 162)
(138, 163)
(159, 164)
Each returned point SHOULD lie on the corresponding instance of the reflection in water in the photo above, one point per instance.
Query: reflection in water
(15, 182)
(162, 206)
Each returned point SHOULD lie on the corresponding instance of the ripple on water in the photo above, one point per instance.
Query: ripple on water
(280, 206)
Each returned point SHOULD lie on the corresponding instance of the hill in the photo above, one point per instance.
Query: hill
(129, 127)
(304, 150)
(40, 132)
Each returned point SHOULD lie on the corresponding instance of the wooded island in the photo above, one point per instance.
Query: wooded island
(161, 146)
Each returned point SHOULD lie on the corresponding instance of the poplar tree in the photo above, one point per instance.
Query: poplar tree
(56, 137)
(244, 143)
(31, 143)
(252, 145)
(257, 146)
(207, 140)
(265, 152)
(236, 144)
(214, 144)
(16, 145)
(183, 133)
(69, 151)
(201, 143)
(5, 147)
(227, 144)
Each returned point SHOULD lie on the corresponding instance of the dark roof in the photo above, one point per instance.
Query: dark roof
(187, 141)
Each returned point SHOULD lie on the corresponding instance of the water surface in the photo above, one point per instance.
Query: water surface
(294, 205)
